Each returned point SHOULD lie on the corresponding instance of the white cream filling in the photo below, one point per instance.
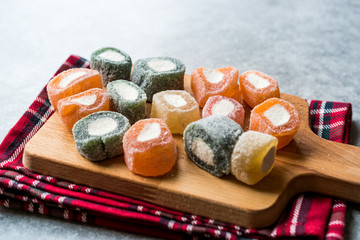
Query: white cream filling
(85, 100)
(71, 77)
(257, 81)
(277, 114)
(149, 132)
(126, 91)
(175, 100)
(223, 107)
(112, 56)
(202, 151)
(102, 126)
(159, 65)
(212, 75)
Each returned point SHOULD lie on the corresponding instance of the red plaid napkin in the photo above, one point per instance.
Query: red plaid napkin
(308, 215)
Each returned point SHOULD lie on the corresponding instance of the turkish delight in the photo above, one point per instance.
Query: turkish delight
(253, 156)
(128, 99)
(149, 148)
(71, 82)
(276, 117)
(256, 87)
(72, 109)
(209, 143)
(206, 82)
(112, 64)
(220, 105)
(158, 74)
(99, 135)
(177, 108)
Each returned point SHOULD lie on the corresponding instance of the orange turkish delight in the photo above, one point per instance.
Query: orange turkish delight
(71, 82)
(276, 117)
(72, 109)
(149, 148)
(220, 105)
(256, 87)
(207, 82)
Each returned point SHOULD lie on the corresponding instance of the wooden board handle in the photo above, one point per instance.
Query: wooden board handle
(321, 165)
(333, 169)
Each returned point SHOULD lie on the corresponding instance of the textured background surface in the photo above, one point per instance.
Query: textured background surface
(312, 49)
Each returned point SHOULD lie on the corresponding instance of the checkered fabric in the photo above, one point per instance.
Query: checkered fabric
(331, 120)
(307, 215)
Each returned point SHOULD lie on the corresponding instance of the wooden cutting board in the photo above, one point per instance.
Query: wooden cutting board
(308, 163)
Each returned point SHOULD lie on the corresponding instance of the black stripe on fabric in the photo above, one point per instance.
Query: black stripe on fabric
(315, 105)
(305, 209)
(34, 119)
(285, 217)
(79, 63)
(68, 201)
(10, 149)
(44, 107)
(327, 120)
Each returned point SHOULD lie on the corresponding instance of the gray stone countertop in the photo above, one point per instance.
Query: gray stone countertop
(311, 47)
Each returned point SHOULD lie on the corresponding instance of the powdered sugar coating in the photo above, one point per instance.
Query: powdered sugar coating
(224, 85)
(71, 109)
(285, 131)
(128, 99)
(154, 79)
(256, 87)
(100, 143)
(235, 111)
(112, 63)
(156, 155)
(71, 82)
(253, 156)
(173, 111)
(220, 133)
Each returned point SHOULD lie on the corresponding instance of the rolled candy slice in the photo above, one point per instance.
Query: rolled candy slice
(209, 143)
(72, 109)
(158, 74)
(128, 99)
(71, 82)
(207, 82)
(177, 108)
(256, 87)
(220, 105)
(99, 135)
(276, 117)
(253, 156)
(149, 148)
(112, 64)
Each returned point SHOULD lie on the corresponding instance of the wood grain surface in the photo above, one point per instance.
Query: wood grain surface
(308, 163)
